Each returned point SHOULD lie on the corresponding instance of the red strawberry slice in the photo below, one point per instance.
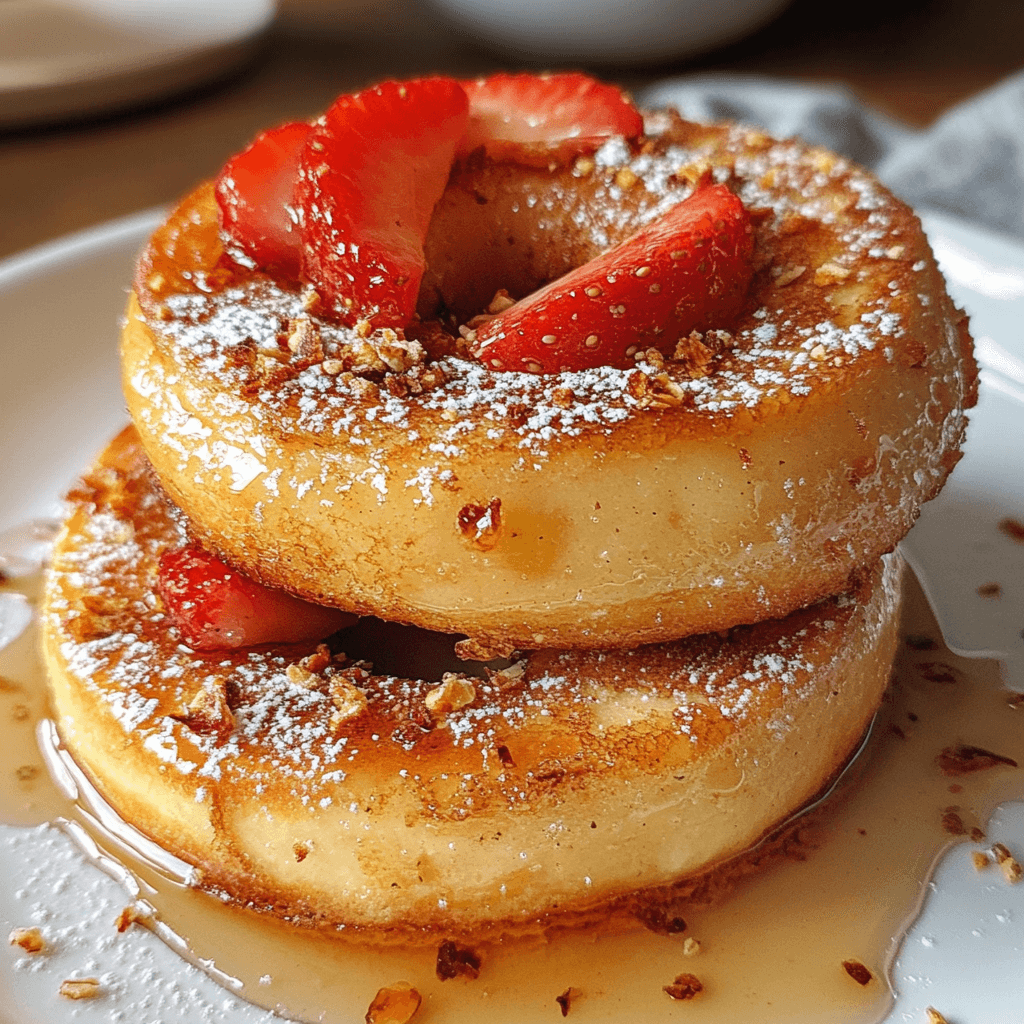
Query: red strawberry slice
(370, 176)
(217, 608)
(542, 119)
(255, 194)
(688, 270)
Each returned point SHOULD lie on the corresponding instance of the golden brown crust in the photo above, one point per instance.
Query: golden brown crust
(747, 485)
(547, 792)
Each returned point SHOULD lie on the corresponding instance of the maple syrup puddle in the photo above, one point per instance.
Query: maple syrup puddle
(773, 950)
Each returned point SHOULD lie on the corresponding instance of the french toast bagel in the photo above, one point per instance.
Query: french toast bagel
(734, 475)
(307, 785)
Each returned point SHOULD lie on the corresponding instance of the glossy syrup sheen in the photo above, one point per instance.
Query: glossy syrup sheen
(773, 951)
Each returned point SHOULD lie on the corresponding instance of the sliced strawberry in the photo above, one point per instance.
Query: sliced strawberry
(688, 270)
(216, 608)
(541, 119)
(255, 194)
(370, 176)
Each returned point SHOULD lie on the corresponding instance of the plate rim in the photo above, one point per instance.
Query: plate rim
(79, 247)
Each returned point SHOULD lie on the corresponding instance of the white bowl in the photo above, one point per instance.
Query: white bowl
(610, 31)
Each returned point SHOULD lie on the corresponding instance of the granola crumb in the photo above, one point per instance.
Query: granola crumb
(830, 273)
(454, 961)
(304, 340)
(320, 659)
(482, 650)
(208, 711)
(962, 759)
(660, 919)
(691, 946)
(481, 524)
(823, 160)
(934, 1017)
(395, 1004)
(311, 301)
(980, 860)
(693, 353)
(685, 986)
(455, 692)
(1011, 869)
(563, 397)
(502, 300)
(80, 988)
(696, 172)
(298, 675)
(349, 701)
(990, 590)
(953, 823)
(625, 178)
(29, 939)
(787, 275)
(565, 1000)
(1014, 529)
(856, 970)
(506, 678)
(132, 914)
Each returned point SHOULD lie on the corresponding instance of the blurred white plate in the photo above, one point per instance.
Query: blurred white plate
(60, 401)
(62, 59)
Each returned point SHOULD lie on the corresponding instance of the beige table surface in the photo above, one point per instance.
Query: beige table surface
(910, 58)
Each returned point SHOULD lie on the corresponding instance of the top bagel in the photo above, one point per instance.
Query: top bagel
(723, 477)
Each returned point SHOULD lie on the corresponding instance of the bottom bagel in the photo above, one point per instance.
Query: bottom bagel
(301, 783)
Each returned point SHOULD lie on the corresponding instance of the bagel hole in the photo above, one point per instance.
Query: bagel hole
(505, 226)
(408, 652)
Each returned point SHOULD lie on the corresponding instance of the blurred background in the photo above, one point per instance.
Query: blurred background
(111, 106)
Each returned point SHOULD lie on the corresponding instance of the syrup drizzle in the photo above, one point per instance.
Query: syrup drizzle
(773, 950)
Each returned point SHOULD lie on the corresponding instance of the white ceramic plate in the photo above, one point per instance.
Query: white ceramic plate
(71, 58)
(59, 403)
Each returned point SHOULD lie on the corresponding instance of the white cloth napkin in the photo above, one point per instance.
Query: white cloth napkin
(970, 162)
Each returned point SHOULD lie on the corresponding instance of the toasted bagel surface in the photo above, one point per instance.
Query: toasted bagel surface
(603, 508)
(319, 791)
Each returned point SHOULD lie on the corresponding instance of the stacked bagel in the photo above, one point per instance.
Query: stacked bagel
(626, 430)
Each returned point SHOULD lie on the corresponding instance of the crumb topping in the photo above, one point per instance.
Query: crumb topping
(684, 987)
(396, 1004)
(29, 939)
(565, 1000)
(856, 970)
(455, 961)
(80, 988)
